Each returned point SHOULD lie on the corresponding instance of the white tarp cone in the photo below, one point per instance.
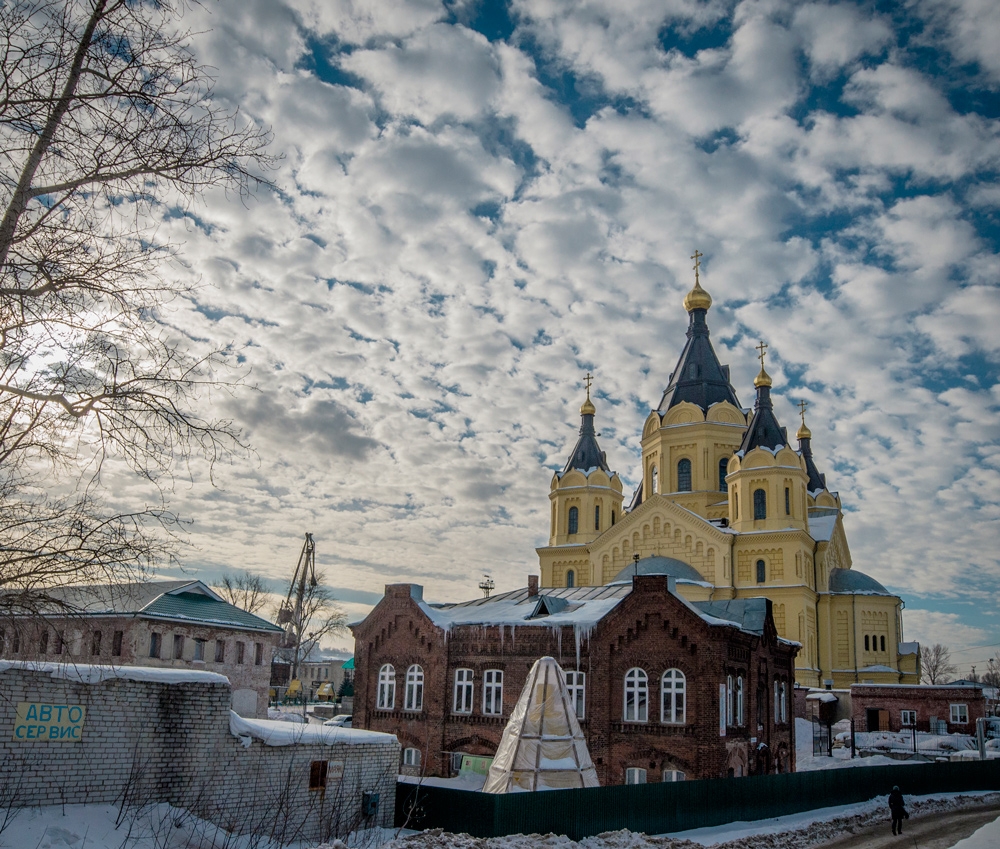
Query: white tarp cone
(542, 747)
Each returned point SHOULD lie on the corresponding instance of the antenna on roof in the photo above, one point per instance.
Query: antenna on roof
(486, 585)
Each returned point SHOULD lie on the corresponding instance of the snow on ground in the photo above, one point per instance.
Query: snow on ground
(988, 837)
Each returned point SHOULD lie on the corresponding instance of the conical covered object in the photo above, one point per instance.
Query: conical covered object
(542, 747)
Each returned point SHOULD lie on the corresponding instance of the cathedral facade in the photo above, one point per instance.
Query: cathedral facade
(730, 510)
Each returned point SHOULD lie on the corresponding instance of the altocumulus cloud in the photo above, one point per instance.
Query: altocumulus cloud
(479, 202)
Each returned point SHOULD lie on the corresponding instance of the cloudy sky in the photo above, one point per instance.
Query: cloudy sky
(480, 202)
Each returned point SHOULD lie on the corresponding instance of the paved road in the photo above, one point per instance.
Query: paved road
(933, 831)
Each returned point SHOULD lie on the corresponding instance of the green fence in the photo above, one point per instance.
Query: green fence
(671, 807)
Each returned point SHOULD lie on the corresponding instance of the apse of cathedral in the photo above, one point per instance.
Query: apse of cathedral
(730, 509)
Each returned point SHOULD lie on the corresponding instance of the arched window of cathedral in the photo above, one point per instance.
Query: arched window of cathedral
(387, 687)
(881, 641)
(654, 480)
(759, 504)
(723, 466)
(597, 517)
(866, 643)
(788, 501)
(761, 572)
(414, 699)
(684, 475)
(612, 517)
(636, 696)
(571, 578)
(574, 520)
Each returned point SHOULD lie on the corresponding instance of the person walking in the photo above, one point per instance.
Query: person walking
(897, 809)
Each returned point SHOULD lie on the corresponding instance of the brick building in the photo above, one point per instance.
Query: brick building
(665, 689)
(882, 707)
(173, 624)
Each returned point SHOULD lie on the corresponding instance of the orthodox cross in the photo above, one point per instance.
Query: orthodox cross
(697, 264)
(762, 347)
(802, 410)
(588, 380)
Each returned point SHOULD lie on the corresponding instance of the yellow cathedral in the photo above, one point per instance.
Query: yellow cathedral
(730, 510)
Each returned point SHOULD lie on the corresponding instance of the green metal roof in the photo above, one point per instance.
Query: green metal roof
(201, 608)
(348, 664)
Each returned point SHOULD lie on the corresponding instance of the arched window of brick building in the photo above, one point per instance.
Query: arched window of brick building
(414, 689)
(672, 696)
(387, 687)
(636, 696)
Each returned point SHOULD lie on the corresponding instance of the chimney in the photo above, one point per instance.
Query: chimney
(532, 585)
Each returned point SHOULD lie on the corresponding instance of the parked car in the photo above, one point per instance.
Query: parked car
(341, 720)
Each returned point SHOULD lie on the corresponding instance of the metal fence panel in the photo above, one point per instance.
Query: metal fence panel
(677, 806)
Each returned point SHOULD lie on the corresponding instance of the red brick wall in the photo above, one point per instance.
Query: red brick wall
(650, 629)
(927, 701)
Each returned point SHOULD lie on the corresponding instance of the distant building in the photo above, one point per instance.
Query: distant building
(322, 674)
(746, 513)
(176, 624)
(665, 689)
(937, 708)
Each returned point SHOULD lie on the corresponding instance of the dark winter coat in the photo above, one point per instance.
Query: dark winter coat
(896, 804)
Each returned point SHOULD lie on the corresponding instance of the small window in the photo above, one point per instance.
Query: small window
(220, 651)
(739, 700)
(788, 501)
(116, 643)
(672, 697)
(241, 651)
(867, 645)
(95, 643)
(574, 520)
(60, 643)
(759, 504)
(199, 649)
(761, 571)
(414, 700)
(493, 692)
(155, 644)
(881, 643)
(777, 705)
(960, 714)
(730, 703)
(636, 696)
(654, 480)
(612, 517)
(258, 654)
(411, 757)
(673, 775)
(463, 691)
(635, 775)
(178, 647)
(387, 687)
(576, 686)
(723, 467)
(317, 775)
(908, 718)
(570, 578)
(684, 476)
(597, 517)
(784, 701)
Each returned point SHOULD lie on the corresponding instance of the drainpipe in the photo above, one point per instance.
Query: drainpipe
(854, 626)
(819, 662)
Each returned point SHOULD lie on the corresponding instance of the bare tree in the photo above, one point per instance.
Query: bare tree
(244, 589)
(320, 617)
(105, 119)
(992, 674)
(936, 665)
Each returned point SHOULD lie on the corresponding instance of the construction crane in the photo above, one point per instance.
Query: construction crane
(291, 611)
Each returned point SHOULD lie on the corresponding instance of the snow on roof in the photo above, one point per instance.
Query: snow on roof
(822, 697)
(87, 674)
(909, 648)
(853, 582)
(821, 527)
(273, 733)
(878, 667)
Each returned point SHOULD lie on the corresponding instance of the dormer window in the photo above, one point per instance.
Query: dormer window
(684, 475)
(759, 504)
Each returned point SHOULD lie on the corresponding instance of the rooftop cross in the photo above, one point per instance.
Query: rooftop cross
(697, 264)
(802, 410)
(762, 347)
(588, 379)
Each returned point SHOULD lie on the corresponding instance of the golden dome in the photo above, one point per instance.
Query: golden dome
(762, 379)
(697, 298)
(803, 432)
(587, 409)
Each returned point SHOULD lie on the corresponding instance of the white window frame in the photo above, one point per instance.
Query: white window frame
(464, 681)
(576, 686)
(777, 701)
(199, 649)
(493, 692)
(673, 775)
(673, 697)
(730, 704)
(907, 714)
(411, 757)
(740, 716)
(784, 701)
(636, 700)
(959, 714)
(635, 775)
(414, 698)
(386, 687)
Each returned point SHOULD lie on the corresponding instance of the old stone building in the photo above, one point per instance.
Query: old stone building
(665, 689)
(173, 624)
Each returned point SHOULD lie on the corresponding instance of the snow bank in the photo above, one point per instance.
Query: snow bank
(87, 674)
(276, 733)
